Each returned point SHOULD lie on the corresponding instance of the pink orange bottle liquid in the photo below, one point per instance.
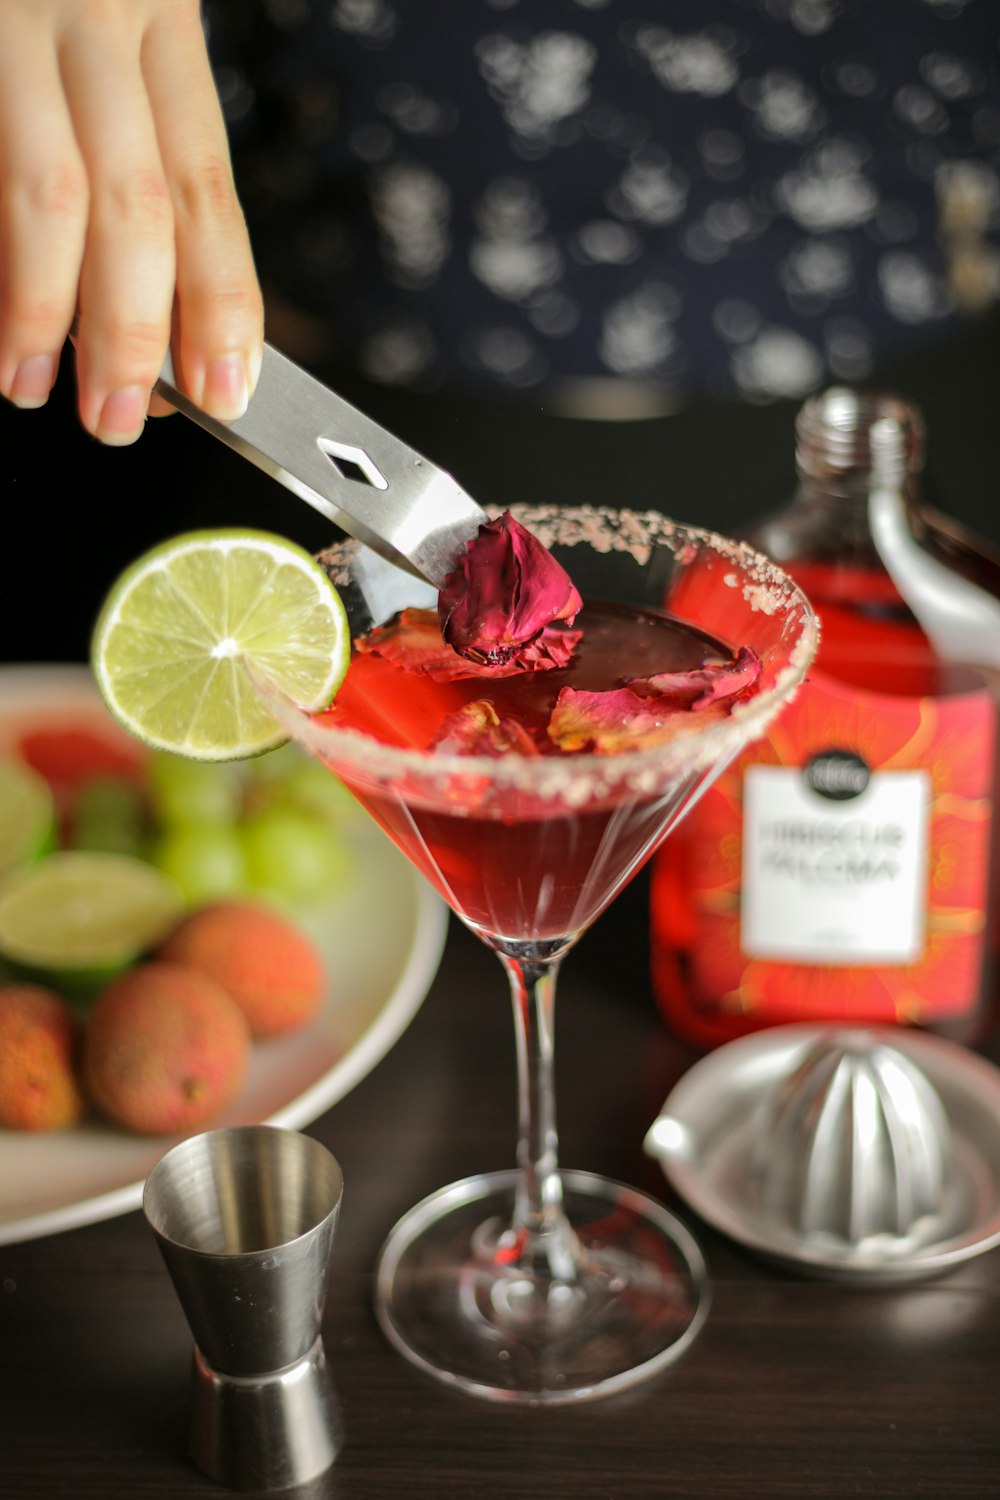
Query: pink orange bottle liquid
(845, 868)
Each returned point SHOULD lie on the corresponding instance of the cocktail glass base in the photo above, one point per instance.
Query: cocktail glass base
(454, 1296)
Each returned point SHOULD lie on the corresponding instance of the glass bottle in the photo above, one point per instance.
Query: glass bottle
(845, 868)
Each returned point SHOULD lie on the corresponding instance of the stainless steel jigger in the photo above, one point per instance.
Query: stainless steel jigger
(245, 1220)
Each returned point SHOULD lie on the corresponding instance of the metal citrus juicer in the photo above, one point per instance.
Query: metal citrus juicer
(855, 1153)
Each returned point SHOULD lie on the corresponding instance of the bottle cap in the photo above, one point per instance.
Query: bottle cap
(843, 431)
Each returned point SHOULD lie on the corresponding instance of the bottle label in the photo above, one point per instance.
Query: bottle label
(834, 862)
(840, 869)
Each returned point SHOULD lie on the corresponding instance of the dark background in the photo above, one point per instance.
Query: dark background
(798, 1389)
(75, 513)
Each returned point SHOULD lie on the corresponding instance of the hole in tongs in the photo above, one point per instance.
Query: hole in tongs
(353, 463)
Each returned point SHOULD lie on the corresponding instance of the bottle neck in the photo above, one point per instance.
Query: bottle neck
(849, 443)
(851, 447)
(847, 496)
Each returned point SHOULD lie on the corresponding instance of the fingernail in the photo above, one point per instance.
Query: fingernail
(33, 381)
(122, 416)
(226, 393)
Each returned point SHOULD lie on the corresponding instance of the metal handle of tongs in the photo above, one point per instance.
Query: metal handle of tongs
(353, 471)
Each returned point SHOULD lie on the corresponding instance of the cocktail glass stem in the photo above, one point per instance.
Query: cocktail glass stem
(539, 1241)
(537, 1285)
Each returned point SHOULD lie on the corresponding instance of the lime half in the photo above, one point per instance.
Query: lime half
(79, 912)
(187, 630)
(27, 815)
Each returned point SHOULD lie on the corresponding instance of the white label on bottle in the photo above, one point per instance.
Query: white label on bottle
(839, 875)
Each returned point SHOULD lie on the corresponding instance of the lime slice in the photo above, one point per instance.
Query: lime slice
(80, 912)
(27, 815)
(187, 629)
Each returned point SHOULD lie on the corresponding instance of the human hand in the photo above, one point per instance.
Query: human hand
(117, 209)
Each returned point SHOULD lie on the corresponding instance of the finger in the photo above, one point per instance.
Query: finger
(43, 213)
(127, 275)
(219, 307)
(160, 406)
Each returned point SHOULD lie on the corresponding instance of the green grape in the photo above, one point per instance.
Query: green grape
(191, 792)
(315, 789)
(275, 765)
(293, 857)
(206, 860)
(312, 788)
(108, 817)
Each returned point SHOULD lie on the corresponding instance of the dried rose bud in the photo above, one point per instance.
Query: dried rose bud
(505, 590)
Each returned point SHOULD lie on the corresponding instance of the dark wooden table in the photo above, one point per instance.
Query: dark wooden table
(794, 1388)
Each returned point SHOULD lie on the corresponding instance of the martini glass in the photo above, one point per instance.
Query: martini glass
(539, 1285)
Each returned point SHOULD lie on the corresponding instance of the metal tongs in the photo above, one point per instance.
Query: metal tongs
(353, 471)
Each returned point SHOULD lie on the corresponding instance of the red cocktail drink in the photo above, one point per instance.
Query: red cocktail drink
(513, 866)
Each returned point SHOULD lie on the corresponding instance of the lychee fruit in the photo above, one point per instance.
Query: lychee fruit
(165, 1049)
(38, 1046)
(259, 957)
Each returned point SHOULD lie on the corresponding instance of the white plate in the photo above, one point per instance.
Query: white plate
(382, 940)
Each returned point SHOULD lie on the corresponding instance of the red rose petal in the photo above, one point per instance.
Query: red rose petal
(651, 710)
(712, 682)
(552, 647)
(413, 640)
(477, 729)
(618, 720)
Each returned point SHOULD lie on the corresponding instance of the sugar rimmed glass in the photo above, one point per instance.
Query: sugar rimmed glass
(539, 1285)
